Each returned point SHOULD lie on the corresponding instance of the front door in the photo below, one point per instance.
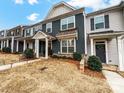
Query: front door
(100, 51)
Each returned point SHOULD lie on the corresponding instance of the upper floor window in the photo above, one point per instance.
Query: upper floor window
(12, 33)
(2, 33)
(17, 32)
(49, 27)
(99, 22)
(68, 23)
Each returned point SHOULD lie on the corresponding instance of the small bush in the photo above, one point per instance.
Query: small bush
(6, 49)
(94, 63)
(3, 49)
(77, 56)
(29, 53)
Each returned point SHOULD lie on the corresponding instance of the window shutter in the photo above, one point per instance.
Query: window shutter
(106, 21)
(92, 23)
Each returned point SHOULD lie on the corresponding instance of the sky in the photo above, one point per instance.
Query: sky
(24, 12)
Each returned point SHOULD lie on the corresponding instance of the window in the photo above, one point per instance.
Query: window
(17, 32)
(68, 23)
(71, 22)
(12, 34)
(49, 27)
(64, 24)
(2, 33)
(99, 22)
(67, 46)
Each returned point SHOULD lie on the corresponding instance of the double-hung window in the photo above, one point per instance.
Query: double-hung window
(67, 46)
(68, 23)
(99, 22)
(2, 33)
(49, 27)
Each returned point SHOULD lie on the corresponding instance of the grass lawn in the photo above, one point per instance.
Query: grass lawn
(50, 76)
(9, 58)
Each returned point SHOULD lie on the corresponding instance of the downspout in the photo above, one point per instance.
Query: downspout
(85, 32)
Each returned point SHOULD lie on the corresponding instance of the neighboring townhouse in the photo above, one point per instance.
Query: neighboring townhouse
(9, 37)
(105, 29)
(2, 36)
(60, 33)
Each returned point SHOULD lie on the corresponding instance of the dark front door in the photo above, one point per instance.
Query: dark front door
(100, 51)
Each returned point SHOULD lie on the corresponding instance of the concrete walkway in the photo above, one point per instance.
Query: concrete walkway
(115, 81)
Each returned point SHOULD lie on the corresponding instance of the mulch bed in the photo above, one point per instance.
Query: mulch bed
(87, 71)
(91, 73)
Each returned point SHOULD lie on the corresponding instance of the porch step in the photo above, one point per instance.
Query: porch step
(110, 67)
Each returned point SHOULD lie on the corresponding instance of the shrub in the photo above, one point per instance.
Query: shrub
(94, 63)
(77, 56)
(29, 53)
(6, 49)
(3, 49)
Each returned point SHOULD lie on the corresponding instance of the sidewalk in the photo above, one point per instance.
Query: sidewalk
(115, 81)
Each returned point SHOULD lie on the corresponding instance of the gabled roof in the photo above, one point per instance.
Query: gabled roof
(59, 4)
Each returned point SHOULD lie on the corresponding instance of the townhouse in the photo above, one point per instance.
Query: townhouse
(105, 31)
(60, 33)
(66, 30)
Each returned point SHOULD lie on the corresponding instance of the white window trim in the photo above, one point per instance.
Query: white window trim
(103, 21)
(49, 27)
(67, 46)
(67, 23)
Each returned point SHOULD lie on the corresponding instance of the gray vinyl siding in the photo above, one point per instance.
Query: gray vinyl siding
(44, 27)
(55, 46)
(55, 27)
(80, 45)
(55, 30)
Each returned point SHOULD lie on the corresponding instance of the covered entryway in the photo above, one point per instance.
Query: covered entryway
(100, 51)
(41, 36)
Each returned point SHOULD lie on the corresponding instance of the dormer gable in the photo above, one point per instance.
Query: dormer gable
(59, 9)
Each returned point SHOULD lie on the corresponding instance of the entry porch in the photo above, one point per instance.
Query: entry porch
(108, 47)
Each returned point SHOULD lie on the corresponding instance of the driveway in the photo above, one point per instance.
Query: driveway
(115, 81)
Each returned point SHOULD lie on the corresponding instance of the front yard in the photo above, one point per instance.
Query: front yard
(50, 76)
(8, 58)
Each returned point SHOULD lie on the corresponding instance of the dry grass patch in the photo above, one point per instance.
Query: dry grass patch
(9, 58)
(50, 76)
(121, 73)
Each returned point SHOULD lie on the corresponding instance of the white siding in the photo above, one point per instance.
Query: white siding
(113, 51)
(116, 21)
(59, 11)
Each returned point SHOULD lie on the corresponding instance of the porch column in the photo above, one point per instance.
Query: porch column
(12, 45)
(7, 43)
(37, 48)
(24, 45)
(120, 53)
(4, 43)
(1, 45)
(17, 46)
(46, 48)
(91, 44)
